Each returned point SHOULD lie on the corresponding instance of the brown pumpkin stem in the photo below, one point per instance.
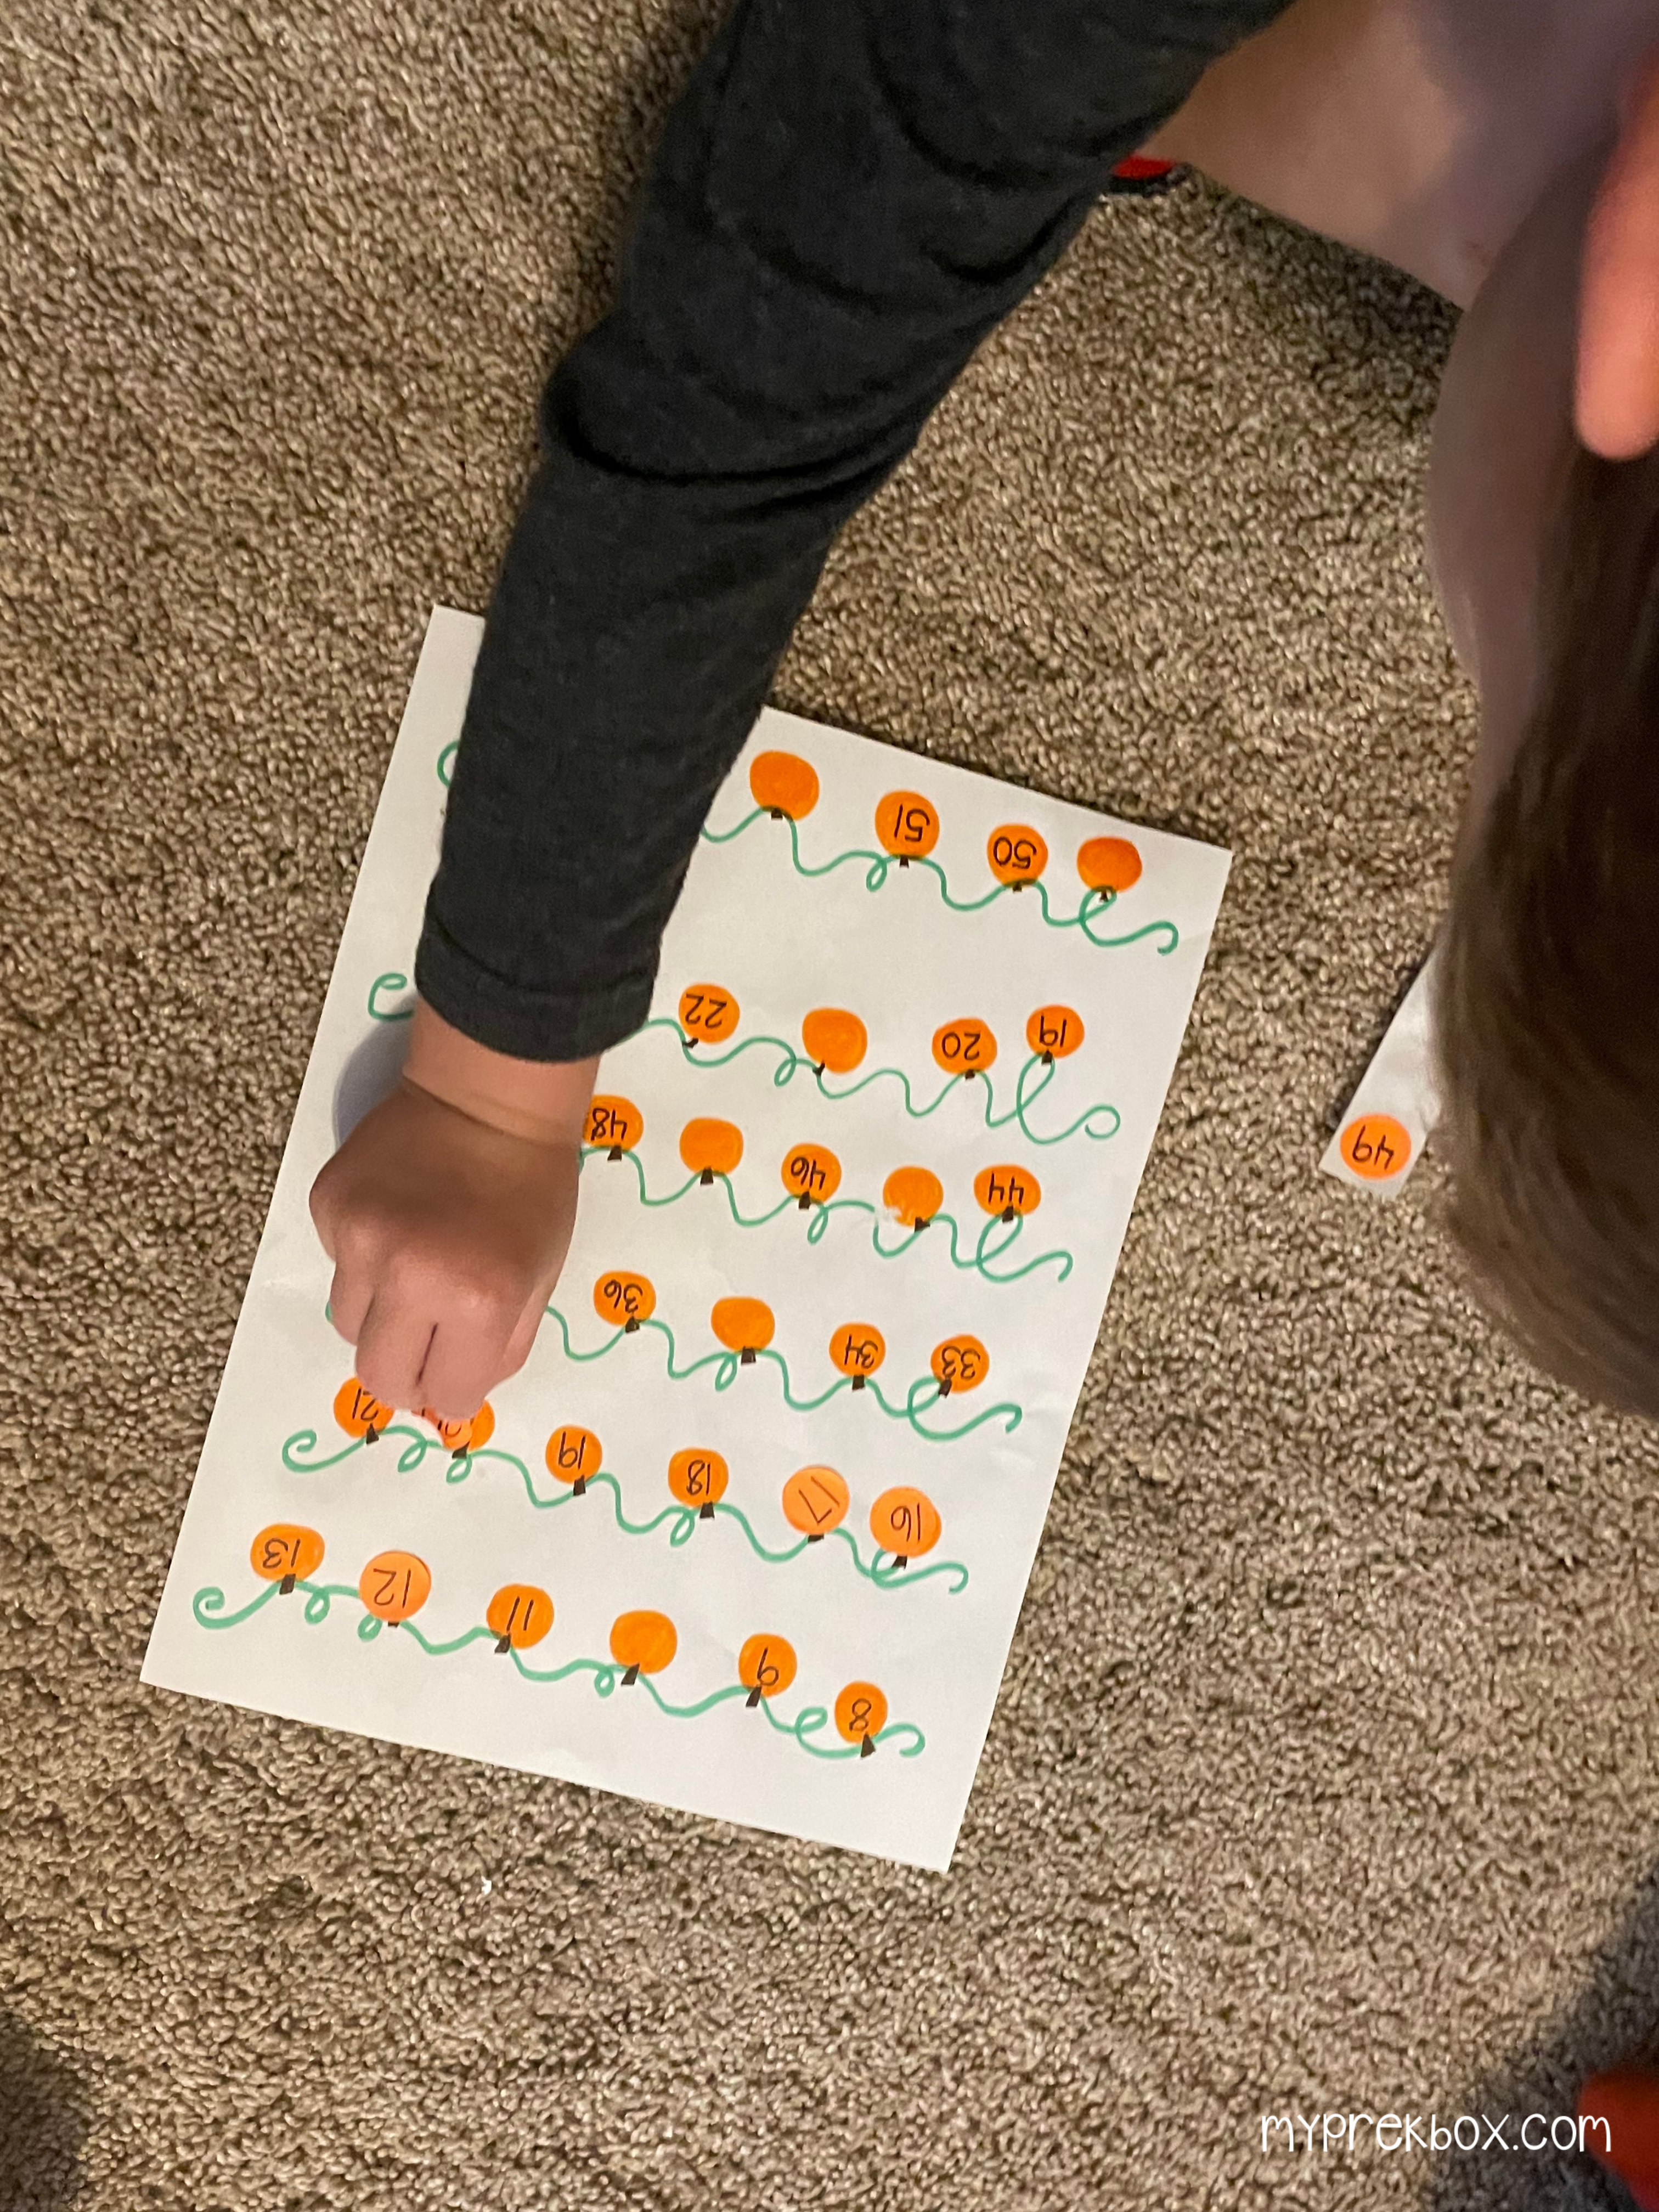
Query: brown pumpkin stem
(866, 1747)
(630, 1676)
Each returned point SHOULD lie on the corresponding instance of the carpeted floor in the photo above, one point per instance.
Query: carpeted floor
(1324, 1771)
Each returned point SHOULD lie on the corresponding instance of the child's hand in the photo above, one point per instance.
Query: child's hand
(446, 1213)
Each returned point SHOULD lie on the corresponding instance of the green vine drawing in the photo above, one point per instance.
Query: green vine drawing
(882, 1571)
(879, 865)
(209, 1609)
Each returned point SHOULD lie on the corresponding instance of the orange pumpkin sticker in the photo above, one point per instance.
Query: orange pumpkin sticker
(744, 1326)
(858, 1349)
(964, 1048)
(518, 1615)
(812, 1174)
(394, 1585)
(359, 1412)
(1016, 853)
(708, 1014)
(766, 1665)
(905, 1522)
(815, 1501)
(285, 1553)
(961, 1363)
(835, 1040)
(907, 825)
(860, 1716)
(698, 1478)
(613, 1125)
(464, 1437)
(784, 784)
(1009, 1191)
(624, 1300)
(573, 1455)
(711, 1148)
(1054, 1032)
(1376, 1147)
(642, 1643)
(913, 1195)
(1108, 863)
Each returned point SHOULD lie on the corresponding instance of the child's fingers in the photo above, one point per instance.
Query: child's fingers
(348, 1299)
(391, 1348)
(519, 1345)
(464, 1361)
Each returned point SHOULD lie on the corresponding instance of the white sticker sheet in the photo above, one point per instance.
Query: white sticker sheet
(749, 1534)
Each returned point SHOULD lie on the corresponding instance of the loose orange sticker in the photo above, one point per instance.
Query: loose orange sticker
(785, 784)
(812, 1174)
(908, 826)
(905, 1522)
(744, 1326)
(518, 1615)
(961, 1363)
(464, 1437)
(858, 1349)
(815, 1501)
(711, 1148)
(860, 1716)
(1009, 1191)
(835, 1041)
(613, 1125)
(285, 1552)
(642, 1643)
(1055, 1032)
(964, 1048)
(1108, 863)
(572, 1456)
(1376, 1147)
(709, 1013)
(394, 1585)
(1016, 853)
(624, 1300)
(359, 1412)
(698, 1477)
(914, 1194)
(766, 1665)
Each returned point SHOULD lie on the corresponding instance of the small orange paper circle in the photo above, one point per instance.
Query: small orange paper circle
(815, 1500)
(907, 825)
(358, 1411)
(1007, 1190)
(285, 1552)
(1376, 1147)
(711, 1148)
(766, 1663)
(811, 1172)
(858, 1349)
(394, 1585)
(905, 1522)
(698, 1477)
(624, 1300)
(785, 783)
(1016, 853)
(615, 1125)
(520, 1615)
(573, 1453)
(913, 1195)
(643, 1641)
(709, 1012)
(860, 1712)
(1056, 1030)
(961, 1363)
(1108, 863)
(964, 1048)
(464, 1435)
(743, 1324)
(835, 1040)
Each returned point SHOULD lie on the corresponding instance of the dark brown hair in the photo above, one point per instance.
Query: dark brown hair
(1547, 1009)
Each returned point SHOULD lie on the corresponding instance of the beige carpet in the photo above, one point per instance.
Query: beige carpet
(1324, 1771)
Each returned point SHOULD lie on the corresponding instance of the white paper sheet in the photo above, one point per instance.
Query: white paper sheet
(776, 920)
(1393, 1112)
